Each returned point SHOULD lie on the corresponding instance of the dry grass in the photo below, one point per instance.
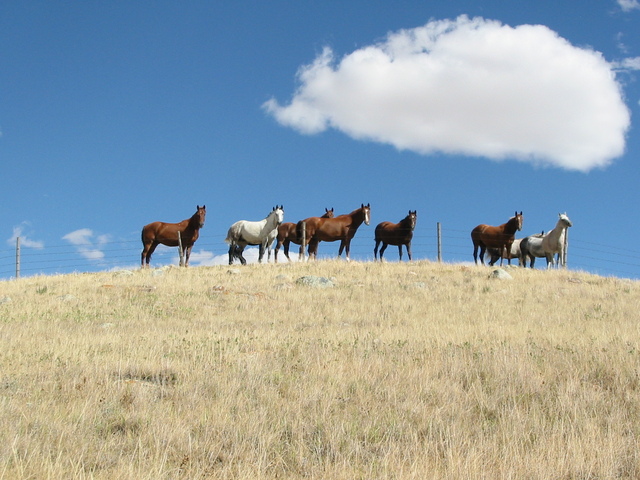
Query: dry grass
(405, 371)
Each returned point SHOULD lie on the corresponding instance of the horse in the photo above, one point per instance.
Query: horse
(500, 237)
(287, 234)
(547, 245)
(515, 251)
(261, 233)
(343, 228)
(495, 254)
(398, 234)
(157, 233)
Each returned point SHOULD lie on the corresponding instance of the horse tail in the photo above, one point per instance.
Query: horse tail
(232, 234)
(299, 231)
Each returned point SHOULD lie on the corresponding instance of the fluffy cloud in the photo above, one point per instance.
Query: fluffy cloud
(251, 254)
(628, 5)
(83, 240)
(24, 240)
(468, 86)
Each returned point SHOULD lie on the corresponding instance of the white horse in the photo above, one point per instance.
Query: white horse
(262, 234)
(495, 254)
(547, 245)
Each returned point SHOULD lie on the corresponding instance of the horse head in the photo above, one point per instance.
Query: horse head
(328, 213)
(518, 218)
(278, 212)
(366, 211)
(413, 218)
(564, 218)
(199, 216)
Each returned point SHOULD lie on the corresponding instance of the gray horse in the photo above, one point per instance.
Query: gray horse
(546, 246)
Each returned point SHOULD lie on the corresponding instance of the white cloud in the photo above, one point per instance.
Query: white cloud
(631, 63)
(25, 241)
(207, 258)
(468, 86)
(628, 5)
(83, 240)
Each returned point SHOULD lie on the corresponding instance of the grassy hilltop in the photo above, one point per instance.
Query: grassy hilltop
(404, 371)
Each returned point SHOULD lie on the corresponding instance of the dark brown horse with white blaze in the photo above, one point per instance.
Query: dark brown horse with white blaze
(157, 233)
(342, 227)
(287, 234)
(399, 234)
(500, 237)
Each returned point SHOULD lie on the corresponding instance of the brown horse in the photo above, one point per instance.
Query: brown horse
(287, 234)
(342, 227)
(398, 234)
(167, 234)
(501, 237)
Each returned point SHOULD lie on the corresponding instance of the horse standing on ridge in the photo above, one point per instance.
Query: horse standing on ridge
(260, 233)
(342, 227)
(157, 233)
(500, 237)
(398, 234)
(547, 245)
(287, 234)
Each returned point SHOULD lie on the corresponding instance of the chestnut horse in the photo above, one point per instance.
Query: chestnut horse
(501, 237)
(287, 234)
(398, 234)
(342, 227)
(157, 233)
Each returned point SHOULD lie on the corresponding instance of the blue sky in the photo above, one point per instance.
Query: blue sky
(117, 114)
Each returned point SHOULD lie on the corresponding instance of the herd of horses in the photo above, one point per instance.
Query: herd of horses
(498, 241)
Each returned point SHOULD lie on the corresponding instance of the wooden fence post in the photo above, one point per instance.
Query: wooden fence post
(180, 250)
(17, 257)
(565, 248)
(439, 229)
(304, 239)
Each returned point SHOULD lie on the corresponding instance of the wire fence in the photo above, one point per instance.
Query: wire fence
(456, 247)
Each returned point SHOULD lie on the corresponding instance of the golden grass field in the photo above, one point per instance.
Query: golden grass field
(400, 371)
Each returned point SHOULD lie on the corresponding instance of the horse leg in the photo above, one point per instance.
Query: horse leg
(400, 251)
(261, 248)
(483, 249)
(375, 250)
(550, 262)
(232, 252)
(475, 252)
(347, 245)
(409, 251)
(286, 249)
(187, 254)
(238, 253)
(384, 247)
(312, 250)
(147, 252)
